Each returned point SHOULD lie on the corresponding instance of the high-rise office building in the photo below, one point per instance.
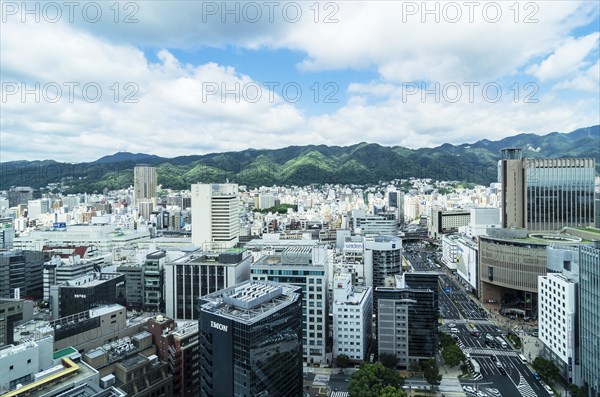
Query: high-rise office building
(557, 315)
(19, 195)
(589, 316)
(406, 318)
(87, 292)
(251, 341)
(306, 267)
(546, 194)
(352, 318)
(21, 273)
(382, 259)
(197, 274)
(215, 215)
(144, 183)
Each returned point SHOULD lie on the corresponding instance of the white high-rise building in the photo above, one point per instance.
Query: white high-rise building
(352, 318)
(215, 215)
(557, 313)
(307, 267)
(35, 208)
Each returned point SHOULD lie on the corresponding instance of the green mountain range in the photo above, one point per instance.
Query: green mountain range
(363, 163)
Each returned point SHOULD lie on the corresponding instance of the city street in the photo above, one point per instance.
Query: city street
(464, 314)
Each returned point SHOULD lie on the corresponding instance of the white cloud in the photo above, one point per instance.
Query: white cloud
(587, 80)
(567, 59)
(174, 115)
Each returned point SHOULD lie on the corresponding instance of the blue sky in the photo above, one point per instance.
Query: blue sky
(385, 72)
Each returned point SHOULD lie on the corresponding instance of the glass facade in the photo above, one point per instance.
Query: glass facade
(415, 311)
(250, 352)
(386, 264)
(107, 290)
(559, 193)
(589, 310)
(194, 281)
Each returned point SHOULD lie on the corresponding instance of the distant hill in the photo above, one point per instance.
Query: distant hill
(362, 163)
(126, 156)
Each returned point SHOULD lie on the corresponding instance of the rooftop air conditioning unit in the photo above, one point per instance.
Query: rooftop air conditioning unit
(107, 381)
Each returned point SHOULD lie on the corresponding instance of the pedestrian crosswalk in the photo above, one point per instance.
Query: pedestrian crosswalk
(524, 388)
(496, 352)
(340, 394)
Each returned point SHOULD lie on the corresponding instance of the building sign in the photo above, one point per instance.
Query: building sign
(59, 226)
(218, 326)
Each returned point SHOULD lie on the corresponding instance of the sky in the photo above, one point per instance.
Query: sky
(81, 80)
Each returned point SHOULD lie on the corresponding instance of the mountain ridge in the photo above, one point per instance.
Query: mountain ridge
(361, 163)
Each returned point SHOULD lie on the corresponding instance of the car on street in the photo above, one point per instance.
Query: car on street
(537, 376)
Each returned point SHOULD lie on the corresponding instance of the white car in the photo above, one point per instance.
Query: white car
(469, 389)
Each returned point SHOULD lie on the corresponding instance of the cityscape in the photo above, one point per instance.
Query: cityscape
(436, 287)
(300, 199)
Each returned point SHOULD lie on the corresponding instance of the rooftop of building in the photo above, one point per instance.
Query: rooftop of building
(9, 350)
(10, 301)
(356, 297)
(250, 301)
(230, 257)
(65, 251)
(291, 256)
(71, 373)
(277, 241)
(102, 310)
(91, 279)
(62, 353)
(539, 238)
(186, 328)
(137, 360)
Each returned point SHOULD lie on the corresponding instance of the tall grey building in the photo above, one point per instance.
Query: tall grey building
(382, 259)
(589, 323)
(21, 274)
(406, 317)
(546, 194)
(144, 183)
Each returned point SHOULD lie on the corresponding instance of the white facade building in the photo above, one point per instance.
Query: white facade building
(352, 318)
(20, 363)
(556, 318)
(307, 267)
(215, 215)
(466, 261)
(450, 250)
